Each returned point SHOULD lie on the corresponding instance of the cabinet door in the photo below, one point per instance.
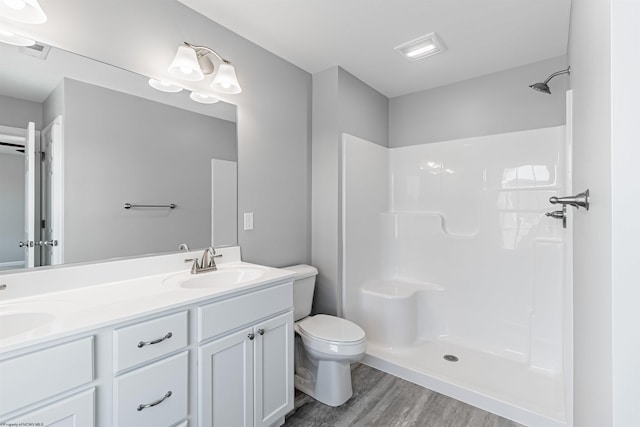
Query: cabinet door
(74, 411)
(225, 375)
(273, 369)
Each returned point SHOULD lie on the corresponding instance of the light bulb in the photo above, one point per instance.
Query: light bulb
(225, 80)
(203, 98)
(14, 39)
(15, 4)
(420, 50)
(164, 86)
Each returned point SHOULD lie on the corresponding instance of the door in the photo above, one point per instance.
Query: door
(225, 376)
(30, 196)
(273, 369)
(52, 194)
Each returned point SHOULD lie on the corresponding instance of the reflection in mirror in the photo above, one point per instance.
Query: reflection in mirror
(102, 137)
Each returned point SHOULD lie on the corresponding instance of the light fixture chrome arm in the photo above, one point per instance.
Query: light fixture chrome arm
(199, 51)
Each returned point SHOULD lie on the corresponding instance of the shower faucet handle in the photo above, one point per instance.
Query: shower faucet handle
(577, 201)
(562, 214)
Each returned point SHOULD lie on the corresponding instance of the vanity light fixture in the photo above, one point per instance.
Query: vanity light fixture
(25, 11)
(185, 65)
(192, 63)
(422, 47)
(10, 37)
(164, 86)
(203, 98)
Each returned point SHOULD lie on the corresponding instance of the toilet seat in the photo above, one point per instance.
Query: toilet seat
(331, 335)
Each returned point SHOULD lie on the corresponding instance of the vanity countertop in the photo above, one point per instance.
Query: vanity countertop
(32, 319)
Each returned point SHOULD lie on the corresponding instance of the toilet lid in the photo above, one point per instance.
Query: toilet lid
(331, 328)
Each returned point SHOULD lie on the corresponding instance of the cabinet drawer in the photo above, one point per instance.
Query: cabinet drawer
(154, 395)
(139, 343)
(76, 410)
(42, 374)
(223, 316)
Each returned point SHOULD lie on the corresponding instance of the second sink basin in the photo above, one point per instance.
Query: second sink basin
(15, 323)
(224, 276)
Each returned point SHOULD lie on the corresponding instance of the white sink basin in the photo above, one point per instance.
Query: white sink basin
(15, 323)
(225, 276)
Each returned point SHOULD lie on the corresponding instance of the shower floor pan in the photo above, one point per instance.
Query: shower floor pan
(505, 387)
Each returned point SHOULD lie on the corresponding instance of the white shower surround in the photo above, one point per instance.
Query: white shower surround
(446, 250)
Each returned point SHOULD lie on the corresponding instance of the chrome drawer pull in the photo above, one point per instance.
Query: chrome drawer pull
(261, 331)
(157, 402)
(159, 340)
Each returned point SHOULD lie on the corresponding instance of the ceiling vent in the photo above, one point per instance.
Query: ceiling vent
(422, 47)
(37, 50)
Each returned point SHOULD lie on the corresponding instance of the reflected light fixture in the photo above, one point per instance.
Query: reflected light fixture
(422, 47)
(25, 11)
(544, 86)
(192, 63)
(164, 86)
(203, 98)
(10, 37)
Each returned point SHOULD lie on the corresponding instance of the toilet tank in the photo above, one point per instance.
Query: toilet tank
(303, 286)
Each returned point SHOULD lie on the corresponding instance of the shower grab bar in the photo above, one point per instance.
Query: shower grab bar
(170, 206)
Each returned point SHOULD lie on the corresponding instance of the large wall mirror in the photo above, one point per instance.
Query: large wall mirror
(79, 139)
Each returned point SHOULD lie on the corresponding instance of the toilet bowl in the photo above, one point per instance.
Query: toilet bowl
(325, 346)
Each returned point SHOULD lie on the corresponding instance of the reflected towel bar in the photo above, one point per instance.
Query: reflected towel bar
(129, 206)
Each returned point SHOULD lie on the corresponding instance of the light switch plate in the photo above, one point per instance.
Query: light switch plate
(248, 220)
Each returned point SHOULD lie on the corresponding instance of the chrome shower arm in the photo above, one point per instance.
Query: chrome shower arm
(557, 73)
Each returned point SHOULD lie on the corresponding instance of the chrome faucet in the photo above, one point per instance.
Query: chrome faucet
(207, 263)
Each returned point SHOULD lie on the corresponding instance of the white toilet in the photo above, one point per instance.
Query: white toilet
(325, 345)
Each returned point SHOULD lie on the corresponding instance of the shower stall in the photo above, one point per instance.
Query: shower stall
(460, 281)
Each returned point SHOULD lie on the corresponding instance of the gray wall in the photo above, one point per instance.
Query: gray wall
(341, 103)
(120, 148)
(273, 109)
(18, 112)
(12, 211)
(492, 104)
(54, 104)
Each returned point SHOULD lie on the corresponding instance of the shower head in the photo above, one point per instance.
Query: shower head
(544, 86)
(541, 87)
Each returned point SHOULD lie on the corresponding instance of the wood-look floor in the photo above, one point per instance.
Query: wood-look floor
(380, 399)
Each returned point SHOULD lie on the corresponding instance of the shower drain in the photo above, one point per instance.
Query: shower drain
(450, 358)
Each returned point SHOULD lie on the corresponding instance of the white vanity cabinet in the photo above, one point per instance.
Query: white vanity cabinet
(40, 376)
(245, 377)
(273, 369)
(74, 411)
(164, 355)
(154, 394)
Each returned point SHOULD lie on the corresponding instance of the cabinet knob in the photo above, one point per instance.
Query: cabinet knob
(261, 331)
(251, 336)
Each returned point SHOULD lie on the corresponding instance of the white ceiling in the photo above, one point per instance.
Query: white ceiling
(482, 36)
